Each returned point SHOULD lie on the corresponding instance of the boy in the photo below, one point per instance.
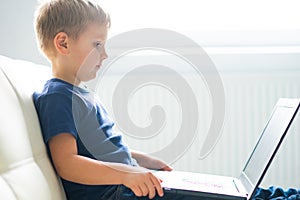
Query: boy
(72, 34)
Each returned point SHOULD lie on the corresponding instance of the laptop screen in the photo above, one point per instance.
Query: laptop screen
(268, 143)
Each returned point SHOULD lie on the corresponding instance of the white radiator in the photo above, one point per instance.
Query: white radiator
(250, 98)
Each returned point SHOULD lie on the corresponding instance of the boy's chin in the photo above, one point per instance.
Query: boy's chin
(88, 78)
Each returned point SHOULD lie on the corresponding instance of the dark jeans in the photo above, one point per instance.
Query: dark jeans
(121, 192)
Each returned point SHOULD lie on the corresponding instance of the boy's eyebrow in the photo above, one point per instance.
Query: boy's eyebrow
(100, 40)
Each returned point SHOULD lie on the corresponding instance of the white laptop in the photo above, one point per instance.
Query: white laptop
(221, 187)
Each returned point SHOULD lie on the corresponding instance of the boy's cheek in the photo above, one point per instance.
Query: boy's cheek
(88, 68)
(91, 60)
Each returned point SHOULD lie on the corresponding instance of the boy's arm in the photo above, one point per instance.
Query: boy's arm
(73, 167)
(150, 162)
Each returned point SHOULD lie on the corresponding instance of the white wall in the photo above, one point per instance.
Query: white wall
(17, 37)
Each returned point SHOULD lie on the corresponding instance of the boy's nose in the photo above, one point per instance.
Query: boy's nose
(104, 55)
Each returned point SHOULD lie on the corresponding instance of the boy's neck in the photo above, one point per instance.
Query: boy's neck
(70, 80)
(65, 73)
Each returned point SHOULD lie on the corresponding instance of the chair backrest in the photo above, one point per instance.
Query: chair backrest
(25, 170)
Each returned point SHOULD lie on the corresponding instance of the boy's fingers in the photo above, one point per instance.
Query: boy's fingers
(150, 187)
(157, 186)
(167, 168)
(137, 191)
(144, 189)
(152, 191)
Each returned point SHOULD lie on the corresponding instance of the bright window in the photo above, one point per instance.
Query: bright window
(213, 22)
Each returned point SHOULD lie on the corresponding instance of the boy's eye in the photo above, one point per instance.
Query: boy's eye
(98, 45)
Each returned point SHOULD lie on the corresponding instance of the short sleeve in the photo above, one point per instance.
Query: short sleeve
(56, 115)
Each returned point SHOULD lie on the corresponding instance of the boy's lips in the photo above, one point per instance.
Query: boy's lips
(98, 66)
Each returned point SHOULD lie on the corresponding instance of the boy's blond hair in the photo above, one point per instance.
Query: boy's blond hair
(69, 16)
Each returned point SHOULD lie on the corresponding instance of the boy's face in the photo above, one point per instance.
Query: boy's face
(88, 51)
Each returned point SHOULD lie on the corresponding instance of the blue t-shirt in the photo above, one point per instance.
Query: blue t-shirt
(65, 108)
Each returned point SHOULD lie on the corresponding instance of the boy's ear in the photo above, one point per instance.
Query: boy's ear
(61, 43)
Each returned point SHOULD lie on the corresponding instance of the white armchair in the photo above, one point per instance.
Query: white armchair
(26, 172)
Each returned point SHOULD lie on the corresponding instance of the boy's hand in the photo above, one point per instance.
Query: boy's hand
(150, 162)
(156, 164)
(143, 183)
